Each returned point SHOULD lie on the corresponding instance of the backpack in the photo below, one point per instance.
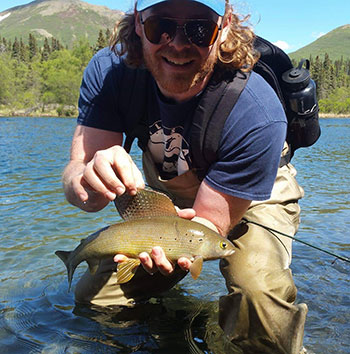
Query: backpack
(293, 86)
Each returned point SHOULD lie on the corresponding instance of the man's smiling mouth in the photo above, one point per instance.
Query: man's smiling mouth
(178, 62)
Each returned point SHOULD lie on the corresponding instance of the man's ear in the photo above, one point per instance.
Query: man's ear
(226, 27)
(138, 25)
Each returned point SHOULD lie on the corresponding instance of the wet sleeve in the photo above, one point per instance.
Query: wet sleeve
(98, 100)
(251, 145)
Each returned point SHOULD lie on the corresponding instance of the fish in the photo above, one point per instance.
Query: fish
(149, 219)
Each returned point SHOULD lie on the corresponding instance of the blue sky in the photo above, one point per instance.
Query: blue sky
(293, 24)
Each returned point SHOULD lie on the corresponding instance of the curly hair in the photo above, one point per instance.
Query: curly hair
(236, 52)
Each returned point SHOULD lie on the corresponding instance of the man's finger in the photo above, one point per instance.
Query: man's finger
(104, 170)
(160, 260)
(77, 184)
(184, 263)
(187, 213)
(126, 170)
(119, 258)
(95, 182)
(147, 263)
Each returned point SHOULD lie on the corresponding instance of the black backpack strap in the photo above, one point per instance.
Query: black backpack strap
(140, 132)
(214, 107)
(133, 100)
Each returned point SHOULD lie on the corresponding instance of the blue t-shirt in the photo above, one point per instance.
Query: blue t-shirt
(251, 141)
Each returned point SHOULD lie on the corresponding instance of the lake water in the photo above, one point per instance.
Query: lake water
(38, 315)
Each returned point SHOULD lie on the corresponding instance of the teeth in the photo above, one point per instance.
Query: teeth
(177, 62)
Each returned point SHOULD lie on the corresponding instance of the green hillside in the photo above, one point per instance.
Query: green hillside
(65, 20)
(336, 43)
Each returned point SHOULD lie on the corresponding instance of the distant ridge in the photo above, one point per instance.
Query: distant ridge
(336, 43)
(66, 20)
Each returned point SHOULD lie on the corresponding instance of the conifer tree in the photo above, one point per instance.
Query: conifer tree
(59, 45)
(33, 47)
(55, 44)
(108, 36)
(15, 49)
(316, 74)
(332, 83)
(101, 41)
(22, 51)
(326, 73)
(45, 51)
(9, 46)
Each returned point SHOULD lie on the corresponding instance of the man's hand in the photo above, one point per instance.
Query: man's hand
(157, 260)
(99, 169)
(111, 172)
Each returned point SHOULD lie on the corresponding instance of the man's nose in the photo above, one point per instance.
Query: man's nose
(180, 39)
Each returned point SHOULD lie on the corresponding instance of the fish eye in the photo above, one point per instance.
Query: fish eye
(223, 245)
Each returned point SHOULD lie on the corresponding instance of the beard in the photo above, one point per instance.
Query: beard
(178, 83)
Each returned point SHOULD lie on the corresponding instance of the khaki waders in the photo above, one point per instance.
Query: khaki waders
(258, 314)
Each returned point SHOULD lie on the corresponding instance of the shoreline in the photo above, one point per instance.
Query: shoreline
(53, 114)
(49, 111)
(333, 115)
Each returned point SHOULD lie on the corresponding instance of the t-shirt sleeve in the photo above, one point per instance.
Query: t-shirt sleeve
(98, 100)
(251, 144)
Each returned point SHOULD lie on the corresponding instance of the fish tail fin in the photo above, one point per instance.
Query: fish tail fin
(65, 257)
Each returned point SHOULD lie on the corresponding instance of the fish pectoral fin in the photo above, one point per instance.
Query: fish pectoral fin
(93, 265)
(126, 270)
(196, 267)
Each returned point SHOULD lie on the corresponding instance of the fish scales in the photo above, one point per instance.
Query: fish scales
(176, 236)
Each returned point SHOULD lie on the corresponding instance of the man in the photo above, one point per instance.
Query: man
(183, 45)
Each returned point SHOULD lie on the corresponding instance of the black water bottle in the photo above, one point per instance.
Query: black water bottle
(302, 106)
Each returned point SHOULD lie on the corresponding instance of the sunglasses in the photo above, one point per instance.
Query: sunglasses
(162, 30)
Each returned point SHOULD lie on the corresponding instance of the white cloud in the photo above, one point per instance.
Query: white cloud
(317, 35)
(5, 16)
(282, 44)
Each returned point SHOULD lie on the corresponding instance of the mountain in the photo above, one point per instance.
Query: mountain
(336, 43)
(66, 20)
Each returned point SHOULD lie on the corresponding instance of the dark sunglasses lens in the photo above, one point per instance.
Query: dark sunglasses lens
(159, 30)
(202, 33)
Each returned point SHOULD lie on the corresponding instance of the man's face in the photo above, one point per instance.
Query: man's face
(180, 68)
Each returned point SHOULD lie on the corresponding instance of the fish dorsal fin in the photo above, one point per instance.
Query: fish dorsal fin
(126, 270)
(146, 203)
(196, 267)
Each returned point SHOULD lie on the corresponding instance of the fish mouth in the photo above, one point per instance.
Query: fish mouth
(229, 253)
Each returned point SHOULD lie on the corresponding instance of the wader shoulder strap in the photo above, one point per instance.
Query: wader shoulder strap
(208, 122)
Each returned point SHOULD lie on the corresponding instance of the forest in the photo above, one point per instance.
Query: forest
(332, 80)
(45, 81)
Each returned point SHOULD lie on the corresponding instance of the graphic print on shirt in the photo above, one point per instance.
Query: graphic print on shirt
(169, 148)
